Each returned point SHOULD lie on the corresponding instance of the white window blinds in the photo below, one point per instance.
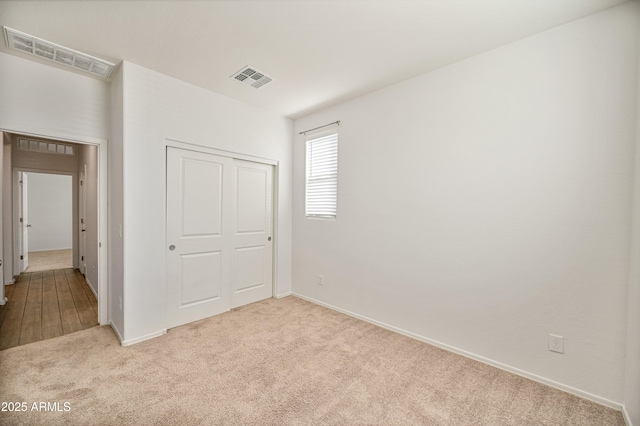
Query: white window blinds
(322, 173)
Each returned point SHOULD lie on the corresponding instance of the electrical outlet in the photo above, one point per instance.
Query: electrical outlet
(556, 343)
(320, 280)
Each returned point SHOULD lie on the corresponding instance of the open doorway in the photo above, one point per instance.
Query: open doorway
(53, 244)
(48, 213)
(54, 204)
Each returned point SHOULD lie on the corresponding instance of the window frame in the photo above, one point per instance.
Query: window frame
(310, 137)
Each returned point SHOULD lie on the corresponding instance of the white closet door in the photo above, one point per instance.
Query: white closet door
(252, 239)
(198, 237)
(219, 241)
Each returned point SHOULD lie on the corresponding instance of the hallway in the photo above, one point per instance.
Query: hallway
(46, 304)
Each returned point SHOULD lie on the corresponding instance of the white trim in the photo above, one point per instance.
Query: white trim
(103, 155)
(12, 281)
(103, 233)
(283, 295)
(91, 287)
(625, 416)
(505, 367)
(223, 153)
(153, 335)
(36, 132)
(275, 197)
(115, 330)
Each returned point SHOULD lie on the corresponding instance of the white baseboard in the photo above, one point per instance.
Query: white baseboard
(510, 369)
(626, 417)
(115, 330)
(91, 287)
(51, 249)
(130, 342)
(10, 282)
(280, 296)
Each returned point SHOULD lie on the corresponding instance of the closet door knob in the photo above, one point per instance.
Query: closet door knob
(172, 247)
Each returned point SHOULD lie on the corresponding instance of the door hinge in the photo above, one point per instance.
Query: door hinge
(21, 257)
(82, 220)
(82, 258)
(20, 220)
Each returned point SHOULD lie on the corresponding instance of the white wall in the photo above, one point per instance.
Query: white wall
(50, 212)
(156, 108)
(51, 101)
(487, 204)
(632, 372)
(116, 242)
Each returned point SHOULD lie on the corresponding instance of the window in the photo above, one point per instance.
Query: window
(44, 147)
(322, 173)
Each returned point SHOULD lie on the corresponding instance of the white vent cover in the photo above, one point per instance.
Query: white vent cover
(61, 55)
(251, 77)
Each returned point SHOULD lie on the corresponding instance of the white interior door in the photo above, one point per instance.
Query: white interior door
(24, 221)
(252, 238)
(198, 235)
(83, 225)
(219, 242)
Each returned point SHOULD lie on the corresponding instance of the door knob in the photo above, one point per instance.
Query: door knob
(172, 247)
(269, 239)
(28, 226)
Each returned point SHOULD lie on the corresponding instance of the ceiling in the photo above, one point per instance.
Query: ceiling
(319, 52)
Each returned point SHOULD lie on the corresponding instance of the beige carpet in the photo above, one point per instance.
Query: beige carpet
(49, 260)
(276, 362)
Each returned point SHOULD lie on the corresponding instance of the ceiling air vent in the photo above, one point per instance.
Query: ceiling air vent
(251, 77)
(61, 55)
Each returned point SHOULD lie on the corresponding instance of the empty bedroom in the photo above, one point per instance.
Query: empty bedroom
(363, 212)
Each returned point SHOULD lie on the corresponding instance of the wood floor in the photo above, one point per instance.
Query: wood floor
(46, 304)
